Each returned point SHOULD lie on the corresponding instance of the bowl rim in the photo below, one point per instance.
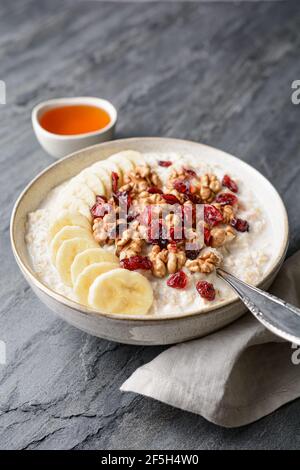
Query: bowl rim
(102, 103)
(29, 272)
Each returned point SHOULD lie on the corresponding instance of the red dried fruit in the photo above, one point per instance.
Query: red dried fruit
(164, 163)
(206, 290)
(188, 215)
(212, 215)
(114, 181)
(226, 199)
(101, 199)
(157, 233)
(178, 280)
(176, 233)
(190, 172)
(230, 184)
(192, 254)
(154, 190)
(207, 236)
(145, 216)
(136, 262)
(132, 217)
(100, 209)
(194, 198)
(171, 199)
(122, 197)
(181, 186)
(240, 225)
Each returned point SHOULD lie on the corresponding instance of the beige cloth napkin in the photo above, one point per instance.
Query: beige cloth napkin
(234, 376)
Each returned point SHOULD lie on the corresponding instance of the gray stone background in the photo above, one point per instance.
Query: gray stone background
(219, 73)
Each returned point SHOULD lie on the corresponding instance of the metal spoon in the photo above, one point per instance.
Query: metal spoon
(275, 314)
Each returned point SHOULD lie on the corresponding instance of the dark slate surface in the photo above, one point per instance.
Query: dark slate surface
(219, 73)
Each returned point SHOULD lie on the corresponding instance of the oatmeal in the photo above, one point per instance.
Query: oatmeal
(130, 230)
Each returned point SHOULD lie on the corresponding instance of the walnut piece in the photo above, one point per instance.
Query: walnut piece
(176, 174)
(101, 232)
(146, 198)
(176, 258)
(141, 178)
(221, 236)
(227, 212)
(159, 258)
(205, 263)
(168, 260)
(209, 187)
(130, 243)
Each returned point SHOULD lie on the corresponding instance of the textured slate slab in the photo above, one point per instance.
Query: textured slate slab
(219, 73)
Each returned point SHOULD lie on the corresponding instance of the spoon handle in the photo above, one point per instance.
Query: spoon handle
(275, 314)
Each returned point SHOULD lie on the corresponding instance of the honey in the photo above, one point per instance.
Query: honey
(74, 119)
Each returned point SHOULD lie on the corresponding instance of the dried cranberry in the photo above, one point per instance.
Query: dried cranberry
(117, 230)
(100, 210)
(157, 233)
(164, 163)
(188, 215)
(194, 198)
(206, 290)
(176, 233)
(226, 199)
(136, 262)
(114, 181)
(145, 217)
(190, 172)
(212, 215)
(230, 184)
(154, 190)
(192, 254)
(181, 186)
(101, 199)
(122, 197)
(207, 236)
(132, 217)
(162, 243)
(240, 225)
(178, 280)
(171, 199)
(155, 229)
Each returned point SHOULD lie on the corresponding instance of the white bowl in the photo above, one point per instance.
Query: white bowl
(61, 145)
(143, 329)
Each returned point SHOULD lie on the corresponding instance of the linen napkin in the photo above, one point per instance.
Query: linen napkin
(234, 376)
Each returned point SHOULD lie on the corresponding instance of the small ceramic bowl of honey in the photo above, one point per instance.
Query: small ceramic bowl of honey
(65, 125)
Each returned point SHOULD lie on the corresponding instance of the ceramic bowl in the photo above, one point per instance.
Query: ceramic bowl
(143, 330)
(61, 145)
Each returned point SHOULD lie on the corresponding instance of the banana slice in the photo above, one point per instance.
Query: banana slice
(92, 181)
(66, 254)
(121, 291)
(77, 189)
(134, 157)
(91, 256)
(103, 174)
(64, 218)
(87, 277)
(77, 205)
(123, 163)
(66, 233)
(111, 166)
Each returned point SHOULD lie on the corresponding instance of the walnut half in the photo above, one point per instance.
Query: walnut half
(221, 236)
(168, 260)
(203, 264)
(209, 187)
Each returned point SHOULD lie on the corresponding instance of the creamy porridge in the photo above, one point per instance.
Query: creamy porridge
(235, 234)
